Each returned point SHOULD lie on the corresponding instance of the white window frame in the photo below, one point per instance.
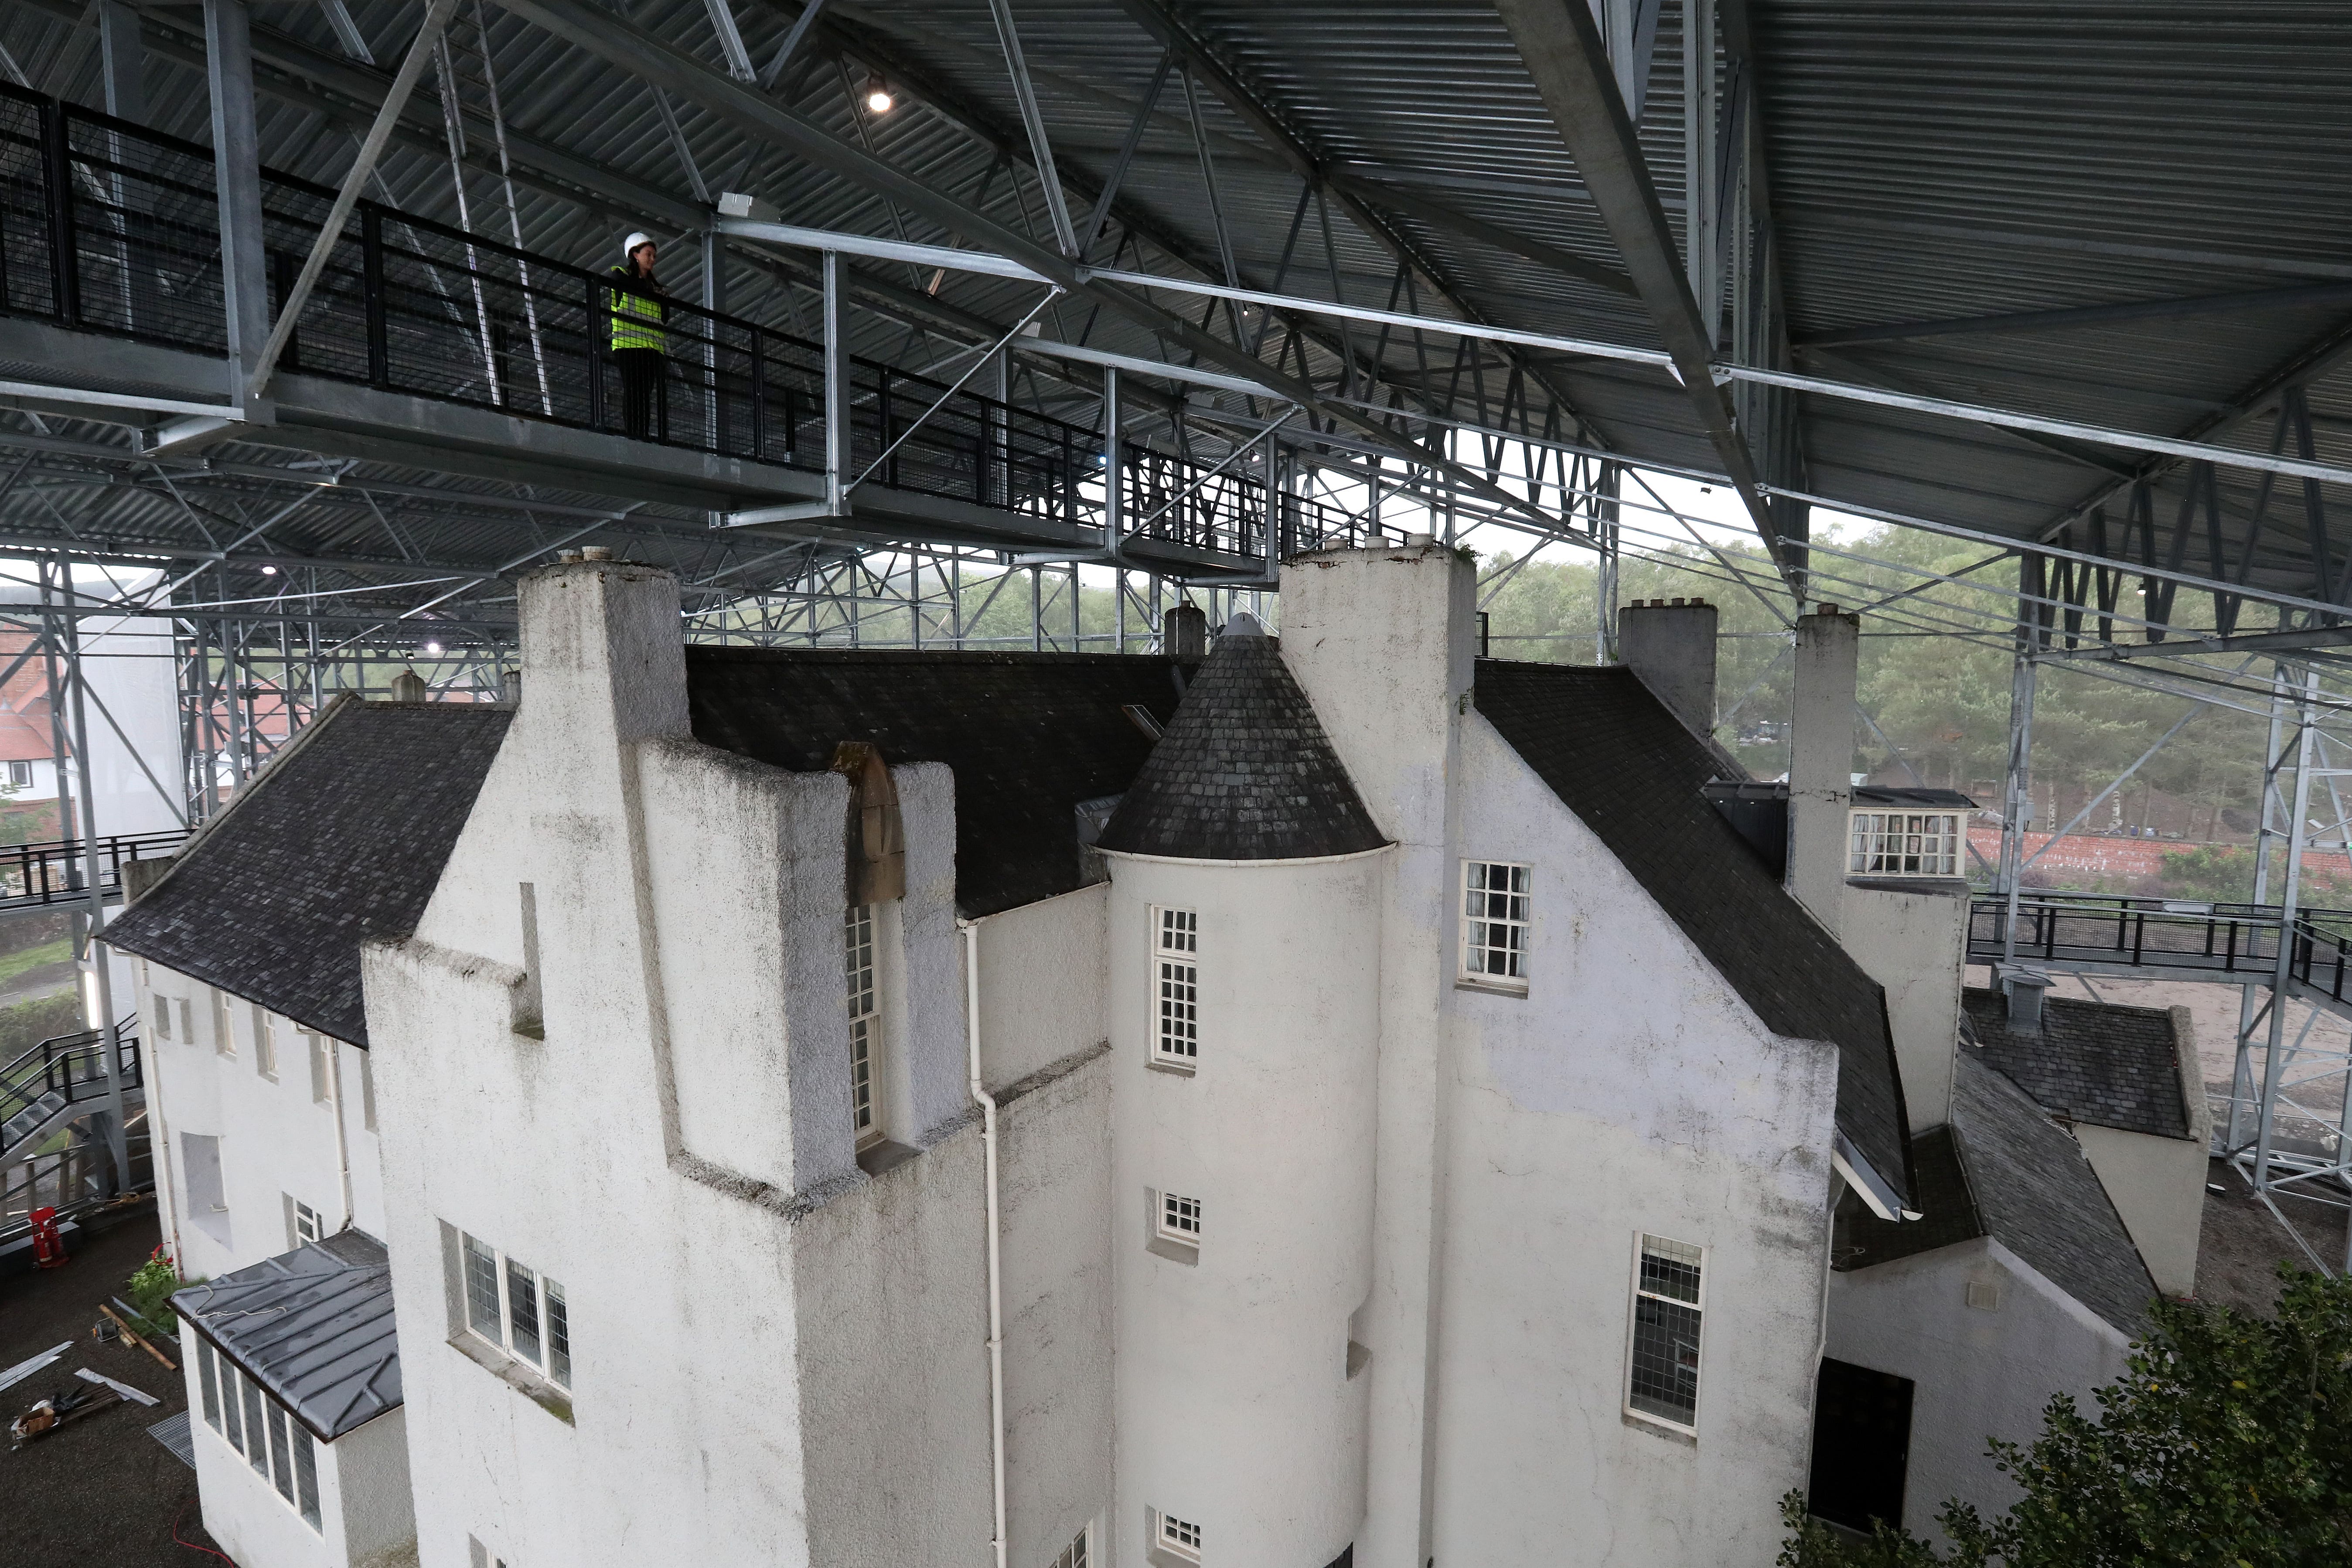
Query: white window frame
(323, 1066)
(162, 1006)
(1635, 1295)
(1476, 927)
(1178, 1538)
(550, 1310)
(267, 1434)
(309, 1226)
(265, 1044)
(1079, 1552)
(1173, 1210)
(861, 962)
(1175, 988)
(1917, 842)
(224, 1029)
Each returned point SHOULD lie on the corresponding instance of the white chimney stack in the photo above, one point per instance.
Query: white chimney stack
(1671, 646)
(1821, 761)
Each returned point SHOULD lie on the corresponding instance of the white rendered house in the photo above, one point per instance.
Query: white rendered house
(867, 1107)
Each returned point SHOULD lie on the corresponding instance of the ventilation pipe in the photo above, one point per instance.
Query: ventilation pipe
(987, 1103)
(1184, 631)
(2025, 988)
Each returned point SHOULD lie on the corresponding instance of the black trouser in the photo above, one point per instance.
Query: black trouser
(644, 408)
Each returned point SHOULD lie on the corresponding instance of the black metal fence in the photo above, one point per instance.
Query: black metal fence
(52, 871)
(109, 226)
(72, 1066)
(2232, 941)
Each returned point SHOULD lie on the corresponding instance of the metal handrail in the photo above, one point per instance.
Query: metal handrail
(57, 1057)
(122, 203)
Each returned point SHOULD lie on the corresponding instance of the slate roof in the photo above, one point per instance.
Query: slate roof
(312, 1326)
(1029, 735)
(2090, 1061)
(340, 841)
(2004, 1169)
(1618, 758)
(1245, 772)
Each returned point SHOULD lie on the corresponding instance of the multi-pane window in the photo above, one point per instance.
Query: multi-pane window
(1076, 1555)
(322, 1081)
(1179, 1536)
(1176, 966)
(518, 1309)
(307, 1228)
(1662, 1380)
(1906, 844)
(865, 1019)
(265, 1044)
(223, 1034)
(253, 1422)
(1495, 923)
(1180, 1218)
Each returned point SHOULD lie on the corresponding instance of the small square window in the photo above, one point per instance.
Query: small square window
(1179, 1536)
(1180, 1218)
(20, 774)
(1495, 909)
(1180, 930)
(1905, 844)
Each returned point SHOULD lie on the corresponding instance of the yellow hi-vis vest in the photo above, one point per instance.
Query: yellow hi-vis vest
(637, 317)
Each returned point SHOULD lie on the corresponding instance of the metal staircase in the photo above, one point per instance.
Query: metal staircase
(60, 1081)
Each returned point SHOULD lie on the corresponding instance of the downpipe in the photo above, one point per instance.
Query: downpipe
(987, 1103)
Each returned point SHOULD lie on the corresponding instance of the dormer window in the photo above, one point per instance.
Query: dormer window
(1906, 844)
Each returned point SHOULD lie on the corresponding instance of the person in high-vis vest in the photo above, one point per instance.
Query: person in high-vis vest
(639, 341)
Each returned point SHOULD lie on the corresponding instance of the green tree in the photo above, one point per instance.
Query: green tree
(2226, 1443)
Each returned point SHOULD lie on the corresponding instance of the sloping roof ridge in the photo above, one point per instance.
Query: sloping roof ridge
(266, 774)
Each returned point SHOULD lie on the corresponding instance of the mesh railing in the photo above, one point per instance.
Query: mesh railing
(109, 226)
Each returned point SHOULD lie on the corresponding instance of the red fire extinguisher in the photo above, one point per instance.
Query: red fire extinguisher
(48, 1243)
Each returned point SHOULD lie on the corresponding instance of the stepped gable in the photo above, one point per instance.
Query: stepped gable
(1245, 772)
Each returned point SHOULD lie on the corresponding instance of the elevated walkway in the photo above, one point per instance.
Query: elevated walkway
(52, 874)
(2170, 939)
(427, 346)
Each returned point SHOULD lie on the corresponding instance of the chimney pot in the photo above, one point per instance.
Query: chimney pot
(596, 552)
(566, 557)
(1419, 541)
(2025, 988)
(1184, 631)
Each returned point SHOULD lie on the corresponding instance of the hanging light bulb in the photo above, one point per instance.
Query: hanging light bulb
(269, 570)
(433, 649)
(877, 96)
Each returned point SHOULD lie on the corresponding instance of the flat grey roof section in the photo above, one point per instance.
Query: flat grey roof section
(2090, 1061)
(313, 1326)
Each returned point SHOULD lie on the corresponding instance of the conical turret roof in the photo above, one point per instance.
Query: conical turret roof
(1245, 772)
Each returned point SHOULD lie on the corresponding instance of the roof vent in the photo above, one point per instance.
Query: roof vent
(2025, 988)
(1419, 541)
(1184, 631)
(409, 687)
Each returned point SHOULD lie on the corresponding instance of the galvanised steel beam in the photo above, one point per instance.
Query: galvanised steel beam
(646, 55)
(2088, 315)
(1293, 149)
(1563, 49)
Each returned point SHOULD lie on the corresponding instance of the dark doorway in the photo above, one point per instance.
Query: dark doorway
(1861, 1446)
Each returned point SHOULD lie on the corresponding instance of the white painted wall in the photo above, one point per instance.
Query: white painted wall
(2157, 1185)
(1041, 983)
(1977, 1374)
(1630, 1090)
(1235, 1409)
(787, 1353)
(1382, 643)
(276, 1139)
(1914, 942)
(363, 1497)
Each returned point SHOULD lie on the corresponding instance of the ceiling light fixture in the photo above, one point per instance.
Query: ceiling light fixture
(269, 570)
(434, 649)
(877, 96)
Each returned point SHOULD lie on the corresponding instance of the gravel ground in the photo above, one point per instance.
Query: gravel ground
(100, 1493)
(2242, 1243)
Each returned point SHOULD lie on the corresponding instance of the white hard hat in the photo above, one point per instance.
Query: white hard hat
(629, 246)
